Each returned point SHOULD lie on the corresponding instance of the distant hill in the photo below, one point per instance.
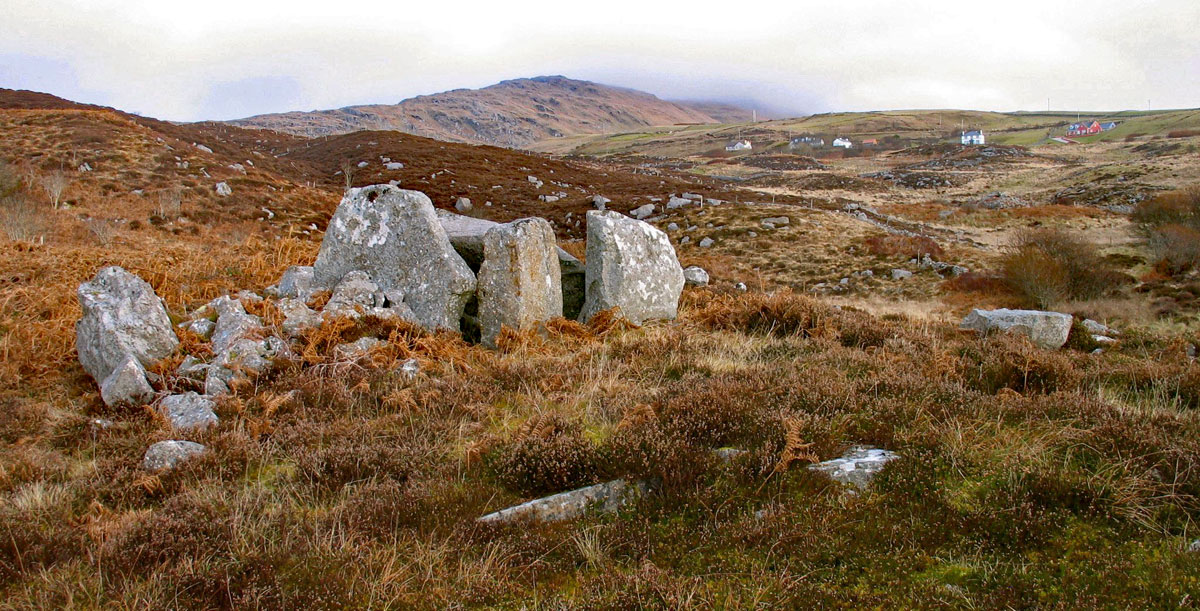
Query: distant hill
(514, 113)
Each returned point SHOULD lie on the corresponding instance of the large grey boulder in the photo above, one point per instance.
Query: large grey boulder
(168, 454)
(189, 411)
(630, 265)
(466, 235)
(1048, 330)
(857, 467)
(520, 279)
(121, 316)
(394, 235)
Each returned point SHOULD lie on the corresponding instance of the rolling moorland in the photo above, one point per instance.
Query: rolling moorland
(1027, 477)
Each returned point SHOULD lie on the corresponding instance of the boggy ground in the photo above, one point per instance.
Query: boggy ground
(1028, 478)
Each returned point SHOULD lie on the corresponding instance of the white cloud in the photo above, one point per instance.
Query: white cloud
(171, 59)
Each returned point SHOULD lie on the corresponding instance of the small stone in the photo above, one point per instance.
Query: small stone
(356, 349)
(189, 411)
(223, 189)
(127, 385)
(858, 466)
(409, 369)
(741, 286)
(672, 227)
(642, 212)
(695, 276)
(168, 454)
(706, 243)
(901, 274)
(463, 204)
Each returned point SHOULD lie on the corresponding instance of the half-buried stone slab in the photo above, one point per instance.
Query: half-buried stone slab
(122, 318)
(857, 467)
(1047, 330)
(520, 279)
(168, 454)
(394, 236)
(605, 498)
(630, 265)
(189, 411)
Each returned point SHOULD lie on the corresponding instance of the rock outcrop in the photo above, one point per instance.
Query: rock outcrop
(394, 236)
(520, 279)
(857, 467)
(605, 498)
(1048, 330)
(240, 346)
(124, 329)
(630, 265)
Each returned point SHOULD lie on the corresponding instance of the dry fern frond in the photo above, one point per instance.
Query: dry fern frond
(636, 416)
(796, 449)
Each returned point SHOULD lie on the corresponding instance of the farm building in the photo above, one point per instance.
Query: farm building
(739, 145)
(1084, 128)
(843, 142)
(806, 141)
(973, 137)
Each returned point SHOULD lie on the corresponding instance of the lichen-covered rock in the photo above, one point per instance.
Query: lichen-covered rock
(1048, 330)
(121, 316)
(520, 279)
(642, 212)
(298, 282)
(857, 467)
(356, 295)
(630, 265)
(695, 276)
(126, 385)
(356, 349)
(605, 498)
(394, 236)
(189, 411)
(240, 346)
(168, 454)
(297, 316)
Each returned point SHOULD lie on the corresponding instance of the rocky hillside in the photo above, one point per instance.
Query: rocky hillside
(511, 113)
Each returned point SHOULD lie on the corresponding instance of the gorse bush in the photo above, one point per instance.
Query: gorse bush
(1047, 266)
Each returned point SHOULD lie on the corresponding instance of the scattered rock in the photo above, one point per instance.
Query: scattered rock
(394, 236)
(741, 286)
(298, 317)
(695, 276)
(901, 274)
(201, 326)
(297, 282)
(1048, 330)
(1099, 328)
(630, 265)
(189, 411)
(409, 369)
(672, 227)
(858, 466)
(356, 349)
(394, 165)
(642, 212)
(223, 189)
(706, 243)
(606, 498)
(600, 202)
(520, 279)
(168, 454)
(775, 221)
(122, 318)
(677, 202)
(693, 196)
(127, 384)
(239, 346)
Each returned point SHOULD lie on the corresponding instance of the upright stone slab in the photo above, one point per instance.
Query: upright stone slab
(121, 316)
(520, 279)
(1048, 330)
(394, 235)
(466, 235)
(631, 265)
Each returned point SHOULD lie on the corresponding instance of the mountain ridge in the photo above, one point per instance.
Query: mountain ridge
(513, 113)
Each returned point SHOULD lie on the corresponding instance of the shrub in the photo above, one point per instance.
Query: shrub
(1170, 224)
(546, 455)
(1046, 266)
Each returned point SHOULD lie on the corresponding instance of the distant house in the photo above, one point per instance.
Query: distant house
(843, 142)
(1107, 126)
(806, 141)
(1084, 128)
(973, 137)
(739, 145)
(873, 142)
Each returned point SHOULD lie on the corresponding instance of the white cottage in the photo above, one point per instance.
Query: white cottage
(843, 143)
(973, 137)
(740, 145)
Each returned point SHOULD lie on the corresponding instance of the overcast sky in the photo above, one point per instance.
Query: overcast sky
(222, 59)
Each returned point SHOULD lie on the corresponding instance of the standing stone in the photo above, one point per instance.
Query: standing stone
(599, 201)
(122, 318)
(394, 235)
(1047, 330)
(630, 265)
(520, 280)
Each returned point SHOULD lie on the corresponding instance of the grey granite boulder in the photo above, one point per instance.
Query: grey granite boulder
(857, 467)
(642, 212)
(394, 235)
(695, 276)
(168, 454)
(463, 204)
(356, 296)
(1048, 330)
(630, 265)
(122, 317)
(240, 346)
(189, 411)
(599, 201)
(520, 279)
(298, 282)
(298, 317)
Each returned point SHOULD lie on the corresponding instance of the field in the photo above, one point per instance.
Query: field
(1027, 477)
